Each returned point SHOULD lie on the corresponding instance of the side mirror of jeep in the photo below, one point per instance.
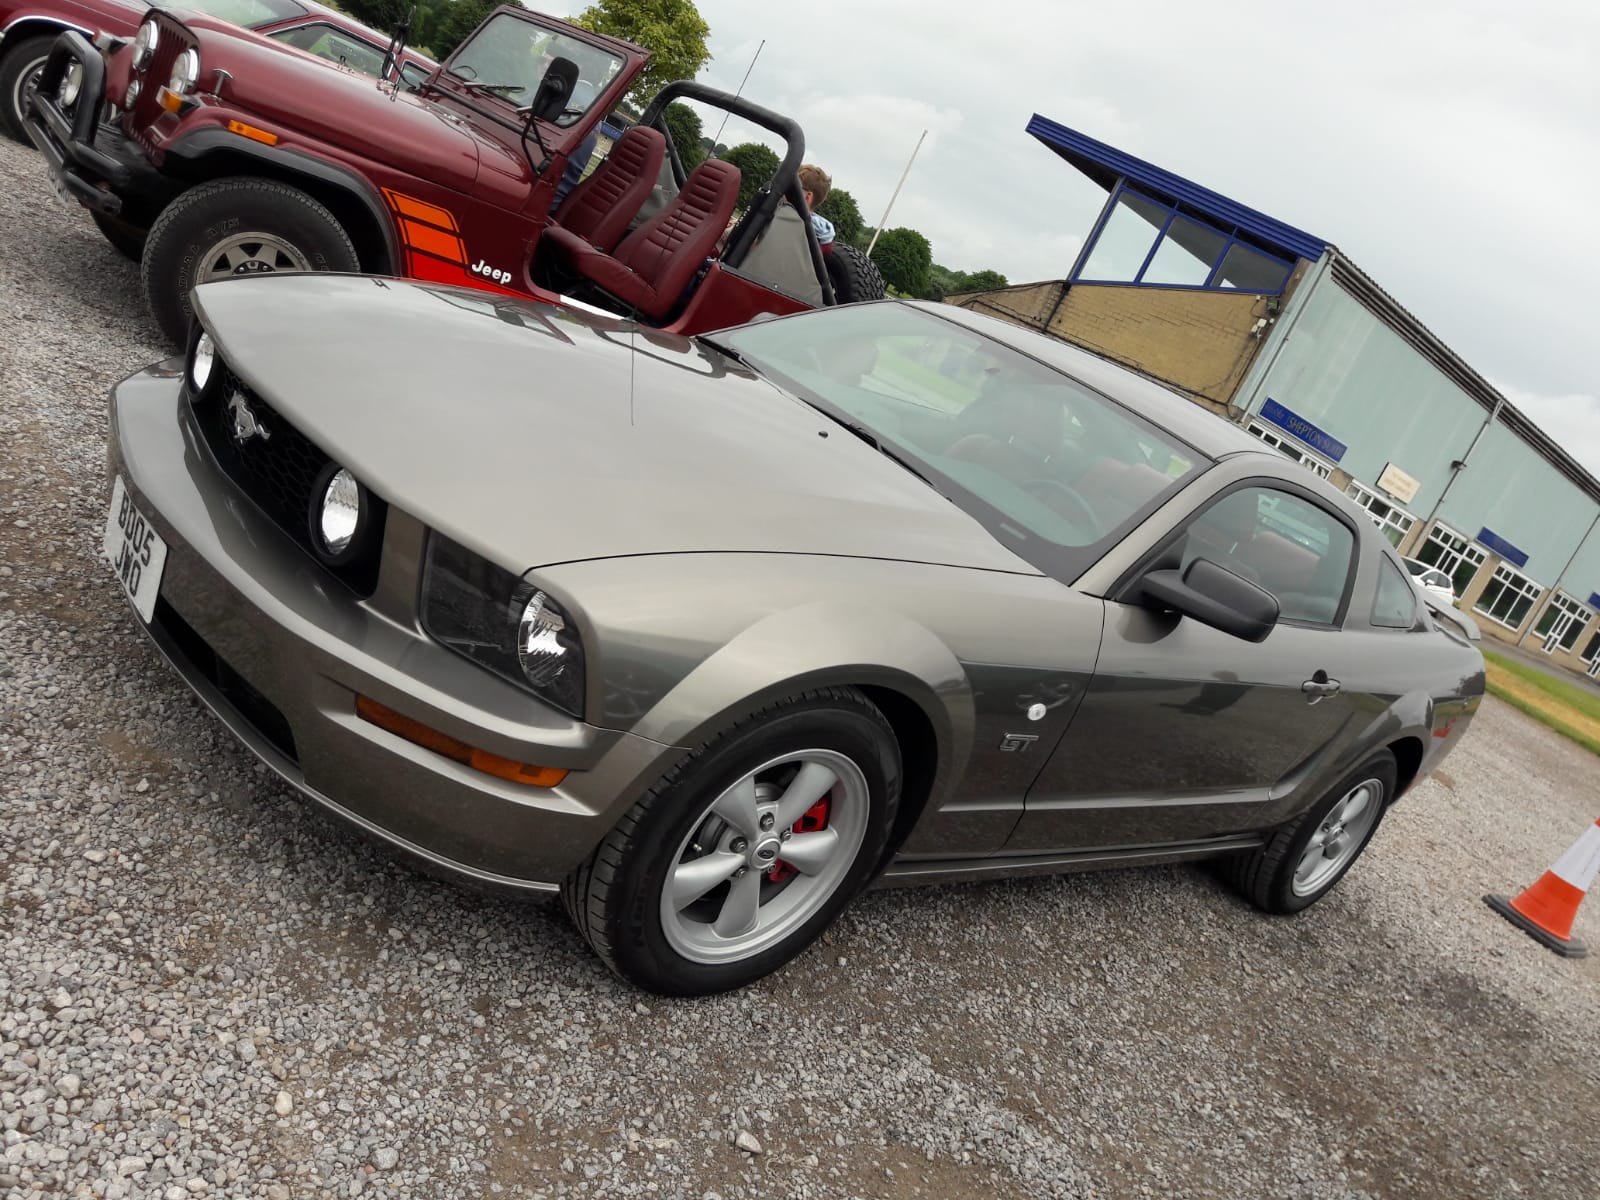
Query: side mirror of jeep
(554, 90)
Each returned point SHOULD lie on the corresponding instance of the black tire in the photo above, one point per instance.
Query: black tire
(126, 240)
(20, 62)
(614, 898)
(193, 228)
(854, 276)
(1266, 877)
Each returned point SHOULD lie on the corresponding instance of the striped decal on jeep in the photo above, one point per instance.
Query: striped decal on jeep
(426, 229)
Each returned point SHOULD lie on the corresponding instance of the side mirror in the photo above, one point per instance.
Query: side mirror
(555, 90)
(1214, 596)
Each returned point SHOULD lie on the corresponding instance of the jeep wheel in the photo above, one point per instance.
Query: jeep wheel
(125, 239)
(232, 227)
(735, 861)
(854, 276)
(19, 71)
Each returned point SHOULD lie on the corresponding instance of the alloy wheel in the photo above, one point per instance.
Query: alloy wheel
(1338, 838)
(765, 856)
(251, 254)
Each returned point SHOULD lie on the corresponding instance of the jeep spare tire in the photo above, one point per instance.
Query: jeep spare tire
(231, 227)
(854, 276)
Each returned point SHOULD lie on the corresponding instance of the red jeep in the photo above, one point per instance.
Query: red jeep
(229, 157)
(28, 28)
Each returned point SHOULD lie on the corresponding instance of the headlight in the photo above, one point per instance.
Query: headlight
(340, 516)
(71, 85)
(185, 72)
(202, 362)
(144, 45)
(502, 623)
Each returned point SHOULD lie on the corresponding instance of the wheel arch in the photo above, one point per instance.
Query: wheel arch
(20, 29)
(212, 154)
(1408, 753)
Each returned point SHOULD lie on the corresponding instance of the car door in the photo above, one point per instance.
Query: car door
(1187, 732)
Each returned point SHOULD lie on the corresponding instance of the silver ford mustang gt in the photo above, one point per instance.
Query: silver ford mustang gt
(710, 633)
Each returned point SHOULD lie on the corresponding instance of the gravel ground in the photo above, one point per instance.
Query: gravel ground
(206, 989)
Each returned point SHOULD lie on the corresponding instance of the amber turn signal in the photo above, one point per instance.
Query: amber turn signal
(254, 134)
(453, 748)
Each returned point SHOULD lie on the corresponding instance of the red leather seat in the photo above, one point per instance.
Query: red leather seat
(656, 261)
(601, 207)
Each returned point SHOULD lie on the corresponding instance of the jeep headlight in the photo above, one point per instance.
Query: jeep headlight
(502, 623)
(144, 44)
(71, 86)
(185, 72)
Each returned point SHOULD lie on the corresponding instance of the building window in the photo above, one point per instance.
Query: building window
(1509, 597)
(1395, 522)
(1290, 448)
(1561, 623)
(1149, 242)
(1454, 555)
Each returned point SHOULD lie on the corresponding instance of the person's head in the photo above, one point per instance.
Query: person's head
(815, 182)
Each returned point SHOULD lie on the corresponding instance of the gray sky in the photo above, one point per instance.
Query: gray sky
(1451, 149)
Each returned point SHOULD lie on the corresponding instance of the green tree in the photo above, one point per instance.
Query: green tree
(673, 29)
(905, 257)
(840, 208)
(684, 124)
(757, 164)
(985, 281)
(452, 23)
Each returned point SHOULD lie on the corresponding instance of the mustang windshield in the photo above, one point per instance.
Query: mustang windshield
(508, 57)
(1041, 459)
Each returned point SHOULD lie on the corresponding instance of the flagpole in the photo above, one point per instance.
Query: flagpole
(716, 141)
(896, 194)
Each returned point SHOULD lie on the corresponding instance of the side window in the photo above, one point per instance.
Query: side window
(1289, 546)
(1396, 605)
(334, 45)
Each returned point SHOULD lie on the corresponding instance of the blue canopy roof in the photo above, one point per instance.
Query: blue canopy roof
(1106, 164)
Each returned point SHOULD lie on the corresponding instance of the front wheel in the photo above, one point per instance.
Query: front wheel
(743, 854)
(19, 73)
(232, 227)
(1302, 861)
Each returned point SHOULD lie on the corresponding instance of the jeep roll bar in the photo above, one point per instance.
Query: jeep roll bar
(785, 181)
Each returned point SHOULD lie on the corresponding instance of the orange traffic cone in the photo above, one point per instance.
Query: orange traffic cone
(1546, 910)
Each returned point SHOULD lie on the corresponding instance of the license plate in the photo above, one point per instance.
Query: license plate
(135, 550)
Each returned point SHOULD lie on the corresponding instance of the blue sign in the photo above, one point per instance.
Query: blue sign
(1594, 600)
(1492, 540)
(1323, 443)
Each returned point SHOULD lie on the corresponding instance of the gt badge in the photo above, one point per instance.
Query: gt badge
(245, 425)
(1013, 743)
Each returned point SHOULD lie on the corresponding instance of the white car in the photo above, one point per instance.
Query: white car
(1431, 580)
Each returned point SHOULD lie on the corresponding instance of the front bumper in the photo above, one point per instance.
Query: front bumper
(93, 163)
(279, 650)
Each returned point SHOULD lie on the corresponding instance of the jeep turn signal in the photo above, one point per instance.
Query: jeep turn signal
(452, 748)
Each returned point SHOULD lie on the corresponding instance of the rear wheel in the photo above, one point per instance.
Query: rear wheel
(127, 240)
(1303, 861)
(742, 855)
(19, 72)
(232, 227)
(854, 276)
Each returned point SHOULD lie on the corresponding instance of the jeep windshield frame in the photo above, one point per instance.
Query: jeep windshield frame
(516, 47)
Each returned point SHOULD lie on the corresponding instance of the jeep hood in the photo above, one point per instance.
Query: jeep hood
(322, 104)
(538, 435)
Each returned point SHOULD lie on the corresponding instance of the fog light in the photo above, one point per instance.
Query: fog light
(132, 96)
(340, 514)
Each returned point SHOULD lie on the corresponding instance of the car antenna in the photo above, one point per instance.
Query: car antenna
(397, 45)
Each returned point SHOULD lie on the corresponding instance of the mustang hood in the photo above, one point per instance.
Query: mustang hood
(539, 435)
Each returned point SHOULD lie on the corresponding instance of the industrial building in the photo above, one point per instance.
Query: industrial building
(1277, 330)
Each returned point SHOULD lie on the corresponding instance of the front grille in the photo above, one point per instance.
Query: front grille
(278, 469)
(259, 712)
(175, 39)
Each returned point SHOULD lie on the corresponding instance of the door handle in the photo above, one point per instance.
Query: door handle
(1320, 687)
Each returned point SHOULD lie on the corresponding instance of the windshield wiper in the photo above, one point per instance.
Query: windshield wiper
(474, 86)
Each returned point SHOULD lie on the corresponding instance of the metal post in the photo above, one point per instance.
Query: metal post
(1556, 586)
(896, 195)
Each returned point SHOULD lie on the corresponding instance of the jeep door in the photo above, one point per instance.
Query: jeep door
(1187, 732)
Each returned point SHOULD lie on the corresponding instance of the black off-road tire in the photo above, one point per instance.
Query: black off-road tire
(614, 897)
(1265, 876)
(20, 61)
(126, 240)
(854, 276)
(202, 218)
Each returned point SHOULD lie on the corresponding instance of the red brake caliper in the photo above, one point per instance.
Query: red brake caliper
(815, 818)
